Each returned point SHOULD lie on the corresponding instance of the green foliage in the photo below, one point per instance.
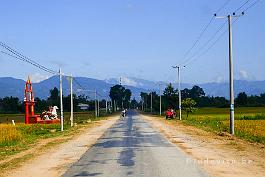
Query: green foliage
(120, 95)
(249, 121)
(242, 99)
(188, 105)
(10, 105)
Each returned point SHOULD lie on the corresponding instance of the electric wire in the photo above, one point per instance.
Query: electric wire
(24, 58)
(240, 7)
(212, 45)
(194, 57)
(251, 5)
(202, 33)
(205, 44)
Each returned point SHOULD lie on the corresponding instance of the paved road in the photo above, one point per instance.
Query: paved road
(132, 148)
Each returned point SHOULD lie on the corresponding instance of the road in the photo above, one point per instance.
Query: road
(131, 147)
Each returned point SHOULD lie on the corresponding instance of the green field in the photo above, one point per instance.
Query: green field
(79, 117)
(249, 121)
(14, 139)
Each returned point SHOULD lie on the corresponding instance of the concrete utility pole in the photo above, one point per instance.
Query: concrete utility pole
(231, 71)
(72, 104)
(160, 100)
(61, 98)
(96, 109)
(179, 89)
(151, 102)
(142, 105)
(231, 78)
(106, 106)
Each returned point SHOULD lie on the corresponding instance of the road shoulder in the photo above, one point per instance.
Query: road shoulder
(56, 159)
(218, 155)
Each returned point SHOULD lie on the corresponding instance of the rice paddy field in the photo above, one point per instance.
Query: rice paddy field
(249, 121)
(14, 139)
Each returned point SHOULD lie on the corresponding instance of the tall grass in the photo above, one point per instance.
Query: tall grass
(249, 122)
(9, 135)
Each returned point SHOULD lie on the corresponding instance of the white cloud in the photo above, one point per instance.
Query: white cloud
(219, 79)
(128, 81)
(37, 77)
(244, 75)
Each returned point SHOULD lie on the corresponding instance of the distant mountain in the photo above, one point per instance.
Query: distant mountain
(222, 89)
(15, 87)
(82, 86)
(143, 84)
(211, 89)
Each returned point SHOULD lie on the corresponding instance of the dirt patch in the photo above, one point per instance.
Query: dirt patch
(54, 160)
(220, 155)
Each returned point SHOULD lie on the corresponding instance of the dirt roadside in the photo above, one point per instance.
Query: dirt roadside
(56, 159)
(223, 156)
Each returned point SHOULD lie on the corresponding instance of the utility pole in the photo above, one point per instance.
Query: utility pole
(142, 105)
(231, 71)
(231, 77)
(114, 104)
(151, 102)
(96, 109)
(179, 90)
(72, 104)
(160, 100)
(61, 98)
(106, 106)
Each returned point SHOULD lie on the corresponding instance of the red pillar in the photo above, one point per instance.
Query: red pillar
(26, 113)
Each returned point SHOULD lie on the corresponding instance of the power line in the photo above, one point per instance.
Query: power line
(199, 37)
(251, 5)
(203, 31)
(240, 7)
(24, 58)
(223, 6)
(205, 44)
(78, 84)
(212, 45)
(195, 56)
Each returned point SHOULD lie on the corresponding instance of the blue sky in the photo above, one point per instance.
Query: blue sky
(130, 38)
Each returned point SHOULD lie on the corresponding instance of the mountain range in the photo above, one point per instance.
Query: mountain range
(82, 85)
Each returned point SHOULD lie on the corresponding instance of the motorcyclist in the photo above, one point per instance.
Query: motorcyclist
(123, 113)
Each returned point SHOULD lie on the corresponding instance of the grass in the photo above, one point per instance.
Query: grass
(14, 139)
(249, 121)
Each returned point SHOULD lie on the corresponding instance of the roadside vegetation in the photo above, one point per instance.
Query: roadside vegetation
(19, 137)
(249, 122)
(212, 113)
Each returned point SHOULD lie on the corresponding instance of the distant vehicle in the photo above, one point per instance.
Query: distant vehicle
(123, 113)
(170, 114)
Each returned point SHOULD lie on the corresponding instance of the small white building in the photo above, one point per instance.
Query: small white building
(83, 106)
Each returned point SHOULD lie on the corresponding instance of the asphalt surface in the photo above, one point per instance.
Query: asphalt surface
(131, 147)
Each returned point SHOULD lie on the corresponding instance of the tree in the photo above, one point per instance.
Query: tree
(170, 97)
(54, 99)
(134, 103)
(10, 105)
(40, 105)
(127, 97)
(120, 95)
(262, 98)
(169, 91)
(144, 98)
(196, 92)
(242, 99)
(188, 105)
